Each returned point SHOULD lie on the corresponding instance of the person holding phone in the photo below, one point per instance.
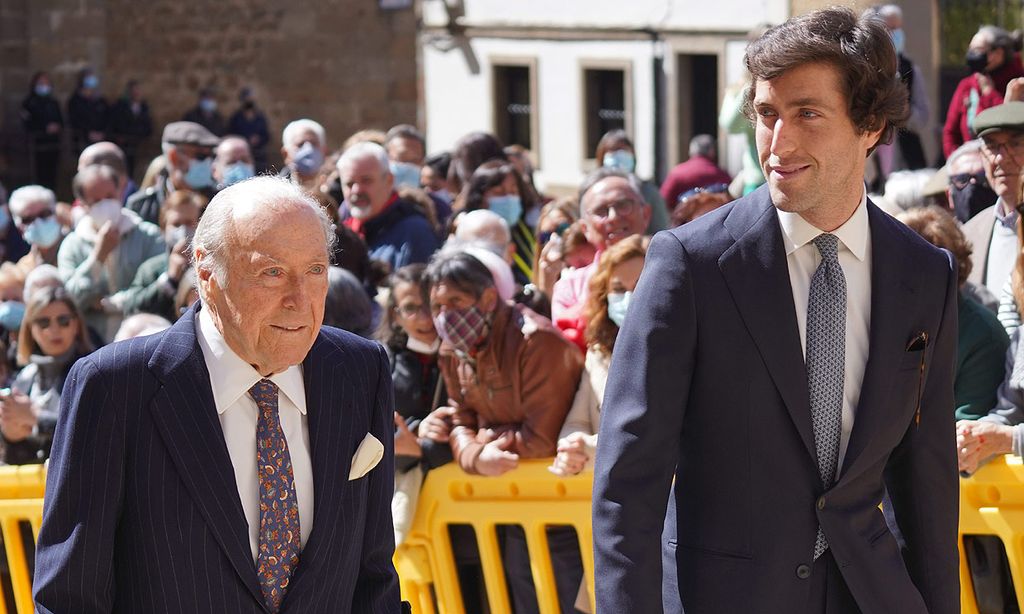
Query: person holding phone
(52, 337)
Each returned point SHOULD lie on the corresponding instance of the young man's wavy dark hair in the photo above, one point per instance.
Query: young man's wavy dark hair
(858, 47)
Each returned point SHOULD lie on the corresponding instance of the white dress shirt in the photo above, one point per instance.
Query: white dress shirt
(802, 258)
(231, 378)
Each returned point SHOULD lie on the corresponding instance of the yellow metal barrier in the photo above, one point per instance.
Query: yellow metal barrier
(991, 503)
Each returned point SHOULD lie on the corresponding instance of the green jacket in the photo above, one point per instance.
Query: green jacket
(980, 360)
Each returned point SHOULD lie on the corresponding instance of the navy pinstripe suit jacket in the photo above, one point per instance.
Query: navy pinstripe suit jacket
(142, 512)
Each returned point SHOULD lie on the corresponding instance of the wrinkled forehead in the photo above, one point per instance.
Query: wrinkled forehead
(610, 190)
(305, 136)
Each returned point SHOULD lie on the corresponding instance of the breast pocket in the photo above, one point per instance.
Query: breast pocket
(912, 359)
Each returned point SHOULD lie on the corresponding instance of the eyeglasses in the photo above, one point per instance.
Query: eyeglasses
(63, 321)
(559, 230)
(1013, 147)
(715, 188)
(622, 207)
(962, 180)
(27, 220)
(411, 310)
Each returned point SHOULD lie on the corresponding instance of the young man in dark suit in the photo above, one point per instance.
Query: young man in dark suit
(788, 359)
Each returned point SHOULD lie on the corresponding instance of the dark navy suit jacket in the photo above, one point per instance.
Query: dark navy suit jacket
(142, 511)
(708, 385)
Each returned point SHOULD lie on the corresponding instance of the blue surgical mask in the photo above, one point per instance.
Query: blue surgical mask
(406, 175)
(620, 159)
(209, 105)
(43, 232)
(91, 82)
(509, 207)
(43, 90)
(618, 303)
(899, 39)
(444, 195)
(11, 314)
(200, 174)
(5, 219)
(239, 171)
(308, 159)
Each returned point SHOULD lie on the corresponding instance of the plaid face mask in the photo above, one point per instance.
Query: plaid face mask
(463, 329)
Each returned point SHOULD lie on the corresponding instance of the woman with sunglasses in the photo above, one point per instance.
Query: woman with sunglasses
(52, 337)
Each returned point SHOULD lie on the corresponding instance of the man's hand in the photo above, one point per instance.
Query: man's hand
(1015, 90)
(437, 426)
(107, 241)
(976, 441)
(572, 455)
(17, 419)
(406, 443)
(495, 459)
(177, 260)
(551, 266)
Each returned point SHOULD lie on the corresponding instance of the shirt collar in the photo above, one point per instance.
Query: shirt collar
(231, 377)
(854, 233)
(1009, 219)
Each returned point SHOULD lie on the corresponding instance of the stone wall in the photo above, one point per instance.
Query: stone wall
(345, 63)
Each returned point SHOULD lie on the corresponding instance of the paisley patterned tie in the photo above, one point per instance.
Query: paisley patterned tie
(279, 537)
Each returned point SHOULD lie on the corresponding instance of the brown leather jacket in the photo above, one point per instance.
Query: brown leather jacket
(523, 382)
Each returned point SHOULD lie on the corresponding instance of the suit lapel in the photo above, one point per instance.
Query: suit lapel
(329, 399)
(892, 291)
(757, 275)
(186, 417)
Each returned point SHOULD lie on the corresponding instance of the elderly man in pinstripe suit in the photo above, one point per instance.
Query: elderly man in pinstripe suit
(238, 462)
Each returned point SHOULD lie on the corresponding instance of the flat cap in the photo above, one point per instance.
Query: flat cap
(1007, 116)
(190, 133)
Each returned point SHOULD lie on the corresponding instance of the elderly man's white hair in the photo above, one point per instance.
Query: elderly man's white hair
(43, 276)
(484, 226)
(362, 151)
(972, 147)
(295, 129)
(890, 10)
(904, 189)
(215, 227)
(140, 325)
(26, 195)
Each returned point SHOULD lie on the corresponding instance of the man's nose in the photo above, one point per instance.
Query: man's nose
(782, 140)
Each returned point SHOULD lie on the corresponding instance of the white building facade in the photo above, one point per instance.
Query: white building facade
(554, 75)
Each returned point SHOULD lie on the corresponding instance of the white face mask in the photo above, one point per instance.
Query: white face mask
(423, 348)
(106, 210)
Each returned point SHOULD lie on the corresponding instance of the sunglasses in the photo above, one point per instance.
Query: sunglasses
(43, 215)
(715, 188)
(547, 234)
(962, 180)
(63, 321)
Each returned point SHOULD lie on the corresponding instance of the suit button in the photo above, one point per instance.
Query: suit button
(821, 503)
(803, 572)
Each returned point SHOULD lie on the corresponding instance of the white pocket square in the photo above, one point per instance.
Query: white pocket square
(370, 451)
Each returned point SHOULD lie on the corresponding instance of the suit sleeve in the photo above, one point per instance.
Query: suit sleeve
(84, 489)
(377, 586)
(922, 476)
(641, 420)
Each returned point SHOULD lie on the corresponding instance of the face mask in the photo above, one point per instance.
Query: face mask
(509, 207)
(420, 347)
(308, 159)
(619, 159)
(107, 210)
(208, 105)
(406, 175)
(11, 314)
(977, 61)
(43, 232)
(5, 219)
(444, 195)
(971, 199)
(173, 234)
(239, 171)
(463, 329)
(91, 82)
(618, 302)
(248, 105)
(43, 90)
(200, 174)
(899, 39)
